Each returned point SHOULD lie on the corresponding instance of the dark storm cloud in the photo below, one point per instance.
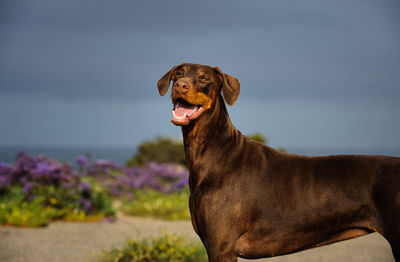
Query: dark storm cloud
(119, 49)
(313, 72)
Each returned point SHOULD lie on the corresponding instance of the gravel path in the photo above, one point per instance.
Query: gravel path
(80, 242)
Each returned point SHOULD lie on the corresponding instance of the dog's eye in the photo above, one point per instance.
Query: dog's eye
(179, 74)
(203, 78)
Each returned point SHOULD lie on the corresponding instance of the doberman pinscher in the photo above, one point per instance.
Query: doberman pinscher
(251, 201)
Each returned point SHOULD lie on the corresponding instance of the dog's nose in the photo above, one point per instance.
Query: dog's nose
(181, 86)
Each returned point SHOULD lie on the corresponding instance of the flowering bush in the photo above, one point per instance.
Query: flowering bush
(36, 190)
(166, 178)
(167, 248)
(47, 189)
(154, 190)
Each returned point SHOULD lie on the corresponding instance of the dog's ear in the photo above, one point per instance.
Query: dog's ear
(163, 83)
(230, 86)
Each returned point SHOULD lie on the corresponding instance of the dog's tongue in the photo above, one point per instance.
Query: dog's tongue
(182, 108)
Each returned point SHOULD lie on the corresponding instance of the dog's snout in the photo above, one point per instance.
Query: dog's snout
(181, 86)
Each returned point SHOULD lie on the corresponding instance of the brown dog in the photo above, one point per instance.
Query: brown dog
(249, 200)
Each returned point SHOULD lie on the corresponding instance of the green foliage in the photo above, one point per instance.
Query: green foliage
(37, 190)
(160, 150)
(167, 248)
(282, 149)
(100, 199)
(258, 137)
(167, 150)
(15, 210)
(151, 203)
(50, 203)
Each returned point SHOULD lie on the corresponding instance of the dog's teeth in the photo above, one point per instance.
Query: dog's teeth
(178, 117)
(195, 109)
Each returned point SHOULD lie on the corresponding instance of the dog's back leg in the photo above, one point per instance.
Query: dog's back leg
(388, 204)
(396, 253)
(393, 236)
(395, 245)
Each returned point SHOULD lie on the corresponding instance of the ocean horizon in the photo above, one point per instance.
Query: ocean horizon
(120, 155)
(117, 155)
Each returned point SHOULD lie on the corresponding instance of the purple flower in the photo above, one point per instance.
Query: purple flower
(55, 166)
(4, 181)
(182, 183)
(115, 191)
(81, 160)
(3, 166)
(6, 172)
(24, 163)
(43, 168)
(86, 204)
(103, 162)
(65, 177)
(27, 188)
(84, 187)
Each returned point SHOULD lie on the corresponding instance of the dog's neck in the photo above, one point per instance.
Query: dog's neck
(211, 132)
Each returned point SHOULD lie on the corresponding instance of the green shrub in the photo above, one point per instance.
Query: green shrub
(258, 137)
(152, 203)
(167, 248)
(160, 150)
(168, 150)
(261, 138)
(36, 190)
(282, 149)
(16, 210)
(49, 203)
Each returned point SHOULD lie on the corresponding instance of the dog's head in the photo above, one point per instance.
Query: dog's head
(195, 88)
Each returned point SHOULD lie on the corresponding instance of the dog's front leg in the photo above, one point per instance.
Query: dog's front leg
(222, 258)
(221, 254)
(219, 240)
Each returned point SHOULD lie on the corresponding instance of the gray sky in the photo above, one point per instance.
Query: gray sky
(314, 73)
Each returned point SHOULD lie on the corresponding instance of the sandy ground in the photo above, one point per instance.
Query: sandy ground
(81, 242)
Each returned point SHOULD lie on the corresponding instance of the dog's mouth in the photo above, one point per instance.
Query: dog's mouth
(183, 112)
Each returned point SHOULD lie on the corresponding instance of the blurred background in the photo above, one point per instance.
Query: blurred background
(318, 77)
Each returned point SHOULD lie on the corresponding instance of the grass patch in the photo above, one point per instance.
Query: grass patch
(166, 248)
(151, 203)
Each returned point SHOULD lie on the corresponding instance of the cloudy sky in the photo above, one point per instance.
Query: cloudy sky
(314, 73)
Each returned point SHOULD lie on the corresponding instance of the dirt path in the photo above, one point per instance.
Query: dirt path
(80, 242)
